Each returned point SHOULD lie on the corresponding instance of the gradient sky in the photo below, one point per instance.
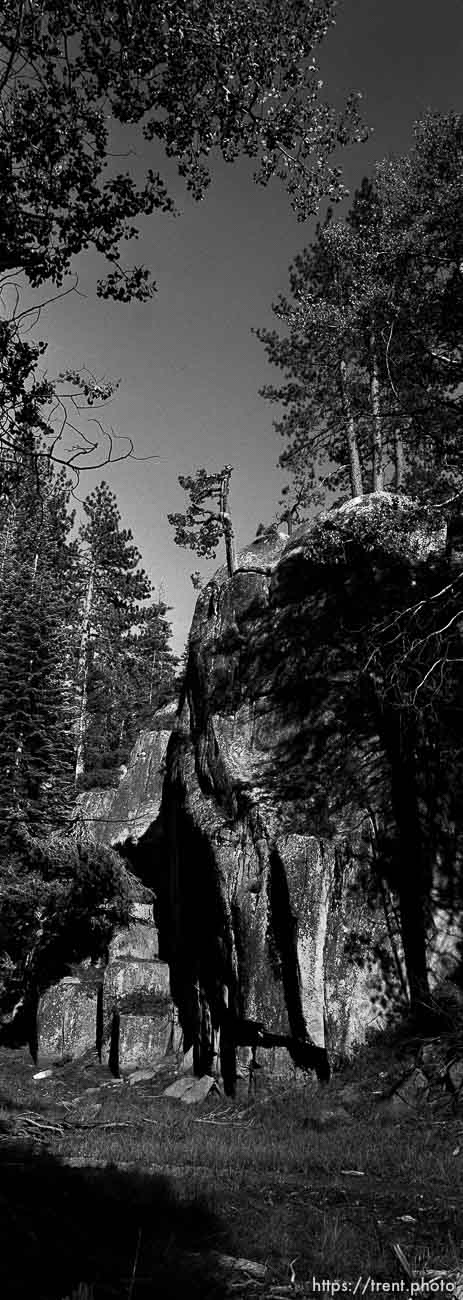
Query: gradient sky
(189, 367)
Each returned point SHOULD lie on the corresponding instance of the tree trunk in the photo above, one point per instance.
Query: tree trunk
(20, 743)
(82, 675)
(290, 517)
(399, 463)
(377, 436)
(414, 876)
(230, 548)
(8, 533)
(413, 929)
(355, 469)
(153, 665)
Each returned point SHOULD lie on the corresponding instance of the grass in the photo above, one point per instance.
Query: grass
(324, 1178)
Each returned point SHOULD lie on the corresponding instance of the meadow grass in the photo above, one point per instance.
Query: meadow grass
(285, 1176)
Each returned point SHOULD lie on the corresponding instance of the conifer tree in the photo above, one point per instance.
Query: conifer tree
(207, 517)
(37, 613)
(316, 355)
(421, 196)
(335, 419)
(113, 587)
(371, 344)
(152, 668)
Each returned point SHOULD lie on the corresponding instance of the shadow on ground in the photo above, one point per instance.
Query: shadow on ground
(60, 1227)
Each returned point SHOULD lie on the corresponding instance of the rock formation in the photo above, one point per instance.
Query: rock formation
(119, 1006)
(271, 910)
(258, 822)
(127, 812)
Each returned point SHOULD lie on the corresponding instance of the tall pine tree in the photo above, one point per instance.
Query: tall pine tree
(125, 666)
(37, 614)
(152, 668)
(371, 342)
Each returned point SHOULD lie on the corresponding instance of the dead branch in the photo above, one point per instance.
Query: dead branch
(28, 1125)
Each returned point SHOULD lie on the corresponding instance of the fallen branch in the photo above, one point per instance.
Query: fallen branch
(229, 1116)
(229, 1264)
(29, 1124)
(82, 1128)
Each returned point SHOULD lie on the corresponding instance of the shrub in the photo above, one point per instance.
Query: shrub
(59, 902)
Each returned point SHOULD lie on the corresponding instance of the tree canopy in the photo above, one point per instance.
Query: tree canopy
(188, 82)
(192, 78)
(371, 343)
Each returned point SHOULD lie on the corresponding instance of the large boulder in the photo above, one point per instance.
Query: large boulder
(271, 910)
(144, 1039)
(139, 1024)
(68, 1016)
(120, 1006)
(130, 978)
(139, 940)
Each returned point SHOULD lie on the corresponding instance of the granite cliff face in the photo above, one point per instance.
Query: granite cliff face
(271, 908)
(124, 814)
(261, 823)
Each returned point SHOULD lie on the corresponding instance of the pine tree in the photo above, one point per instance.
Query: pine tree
(37, 613)
(152, 668)
(339, 413)
(371, 349)
(113, 587)
(207, 517)
(317, 356)
(421, 197)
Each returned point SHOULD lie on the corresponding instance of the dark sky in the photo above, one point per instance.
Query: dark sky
(190, 369)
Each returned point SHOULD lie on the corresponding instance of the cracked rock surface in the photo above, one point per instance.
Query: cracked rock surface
(255, 822)
(271, 793)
